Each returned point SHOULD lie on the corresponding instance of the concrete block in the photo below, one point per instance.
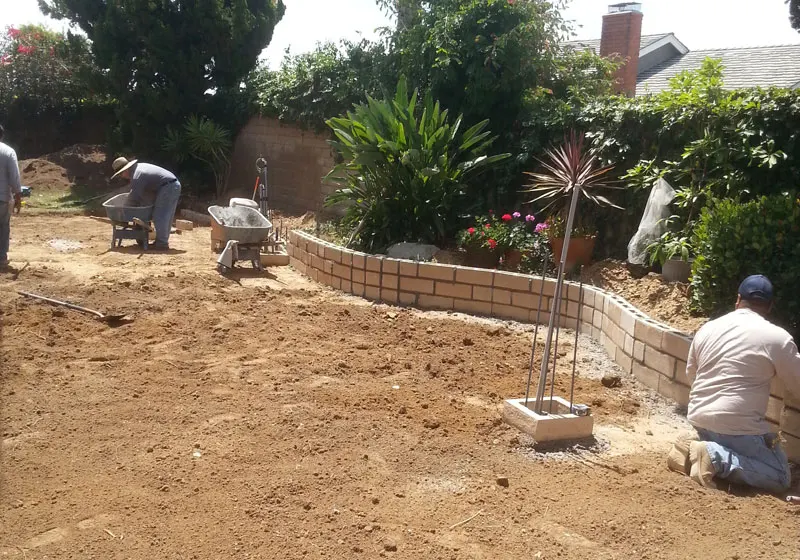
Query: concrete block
(597, 319)
(359, 276)
(512, 281)
(389, 296)
(628, 345)
(347, 258)
(614, 311)
(419, 285)
(184, 225)
(373, 278)
(649, 333)
(569, 323)
(542, 318)
(680, 373)
(791, 400)
(589, 294)
(482, 293)
(608, 344)
(549, 288)
(573, 291)
(358, 289)
(790, 421)
(435, 302)
(472, 307)
(527, 301)
(341, 271)
(444, 272)
(503, 297)
(657, 360)
(391, 266)
(372, 293)
(359, 260)
(675, 344)
(625, 361)
(390, 281)
(278, 259)
(649, 377)
(627, 320)
(638, 351)
(462, 291)
(347, 286)
(560, 425)
(373, 263)
(407, 298)
(319, 249)
(587, 312)
(408, 268)
(474, 276)
(510, 312)
(333, 254)
(674, 391)
(791, 445)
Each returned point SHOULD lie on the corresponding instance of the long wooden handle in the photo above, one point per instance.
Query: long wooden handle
(61, 303)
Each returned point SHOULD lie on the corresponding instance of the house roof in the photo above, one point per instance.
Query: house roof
(594, 44)
(744, 67)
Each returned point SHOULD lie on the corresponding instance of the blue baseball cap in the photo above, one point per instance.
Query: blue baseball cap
(756, 287)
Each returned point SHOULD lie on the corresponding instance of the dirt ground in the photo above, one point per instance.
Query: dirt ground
(82, 164)
(265, 417)
(664, 301)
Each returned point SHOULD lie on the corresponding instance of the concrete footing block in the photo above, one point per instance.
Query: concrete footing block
(559, 425)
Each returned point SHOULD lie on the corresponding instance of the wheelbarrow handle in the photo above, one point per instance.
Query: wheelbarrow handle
(62, 303)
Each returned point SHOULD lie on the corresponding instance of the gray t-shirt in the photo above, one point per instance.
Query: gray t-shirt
(9, 173)
(732, 361)
(146, 180)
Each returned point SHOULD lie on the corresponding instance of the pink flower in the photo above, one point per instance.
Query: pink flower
(487, 226)
(13, 32)
(530, 218)
(491, 212)
(540, 228)
(507, 218)
(22, 49)
(5, 60)
(471, 230)
(492, 243)
(516, 214)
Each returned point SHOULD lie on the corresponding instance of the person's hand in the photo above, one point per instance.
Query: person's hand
(17, 202)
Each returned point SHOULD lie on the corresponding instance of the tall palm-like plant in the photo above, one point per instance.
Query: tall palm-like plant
(408, 171)
(204, 140)
(566, 167)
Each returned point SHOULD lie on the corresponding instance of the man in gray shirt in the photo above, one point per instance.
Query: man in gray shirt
(10, 190)
(152, 186)
(731, 363)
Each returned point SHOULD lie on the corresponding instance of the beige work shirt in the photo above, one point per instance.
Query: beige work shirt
(731, 363)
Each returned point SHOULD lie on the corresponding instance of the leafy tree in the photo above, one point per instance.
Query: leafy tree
(794, 13)
(162, 60)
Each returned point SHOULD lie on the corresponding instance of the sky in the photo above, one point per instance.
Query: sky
(699, 24)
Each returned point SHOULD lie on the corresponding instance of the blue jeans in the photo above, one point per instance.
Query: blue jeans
(5, 229)
(164, 211)
(756, 461)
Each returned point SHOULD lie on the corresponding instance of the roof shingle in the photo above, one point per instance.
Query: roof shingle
(594, 44)
(744, 67)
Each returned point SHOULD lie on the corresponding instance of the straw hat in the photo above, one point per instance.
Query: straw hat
(121, 164)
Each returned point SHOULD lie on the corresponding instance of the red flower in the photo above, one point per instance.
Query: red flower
(492, 243)
(471, 230)
(487, 226)
(13, 32)
(507, 217)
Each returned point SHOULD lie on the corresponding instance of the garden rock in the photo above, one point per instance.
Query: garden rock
(412, 251)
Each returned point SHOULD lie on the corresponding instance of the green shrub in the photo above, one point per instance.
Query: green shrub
(734, 240)
(408, 171)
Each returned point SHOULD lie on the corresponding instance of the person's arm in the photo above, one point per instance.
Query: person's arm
(691, 362)
(787, 366)
(136, 194)
(14, 181)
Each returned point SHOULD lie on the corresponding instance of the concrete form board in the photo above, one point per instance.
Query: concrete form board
(559, 426)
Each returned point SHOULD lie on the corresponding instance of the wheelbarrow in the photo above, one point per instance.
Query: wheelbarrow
(128, 222)
(242, 231)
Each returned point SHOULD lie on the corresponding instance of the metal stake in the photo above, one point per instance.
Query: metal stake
(575, 349)
(536, 330)
(555, 357)
(576, 192)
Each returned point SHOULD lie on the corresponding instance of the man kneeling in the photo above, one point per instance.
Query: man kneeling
(731, 363)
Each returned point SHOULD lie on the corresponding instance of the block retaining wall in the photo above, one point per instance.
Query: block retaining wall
(654, 353)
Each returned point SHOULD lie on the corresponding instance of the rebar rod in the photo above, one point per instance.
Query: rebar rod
(576, 192)
(536, 331)
(575, 350)
(555, 357)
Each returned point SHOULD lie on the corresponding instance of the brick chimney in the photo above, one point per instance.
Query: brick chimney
(622, 33)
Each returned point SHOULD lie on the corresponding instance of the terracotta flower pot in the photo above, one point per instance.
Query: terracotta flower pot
(579, 252)
(479, 257)
(676, 270)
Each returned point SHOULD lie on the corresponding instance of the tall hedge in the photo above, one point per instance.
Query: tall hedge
(734, 240)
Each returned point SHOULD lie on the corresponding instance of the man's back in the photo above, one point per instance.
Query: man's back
(9, 173)
(732, 361)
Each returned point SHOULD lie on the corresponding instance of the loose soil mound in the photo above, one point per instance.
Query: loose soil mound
(665, 302)
(82, 165)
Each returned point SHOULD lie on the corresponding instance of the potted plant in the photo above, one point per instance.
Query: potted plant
(674, 253)
(517, 238)
(566, 167)
(483, 243)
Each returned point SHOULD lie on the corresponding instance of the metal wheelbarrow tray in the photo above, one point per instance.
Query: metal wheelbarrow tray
(239, 223)
(124, 220)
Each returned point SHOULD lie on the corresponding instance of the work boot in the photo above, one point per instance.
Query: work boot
(159, 247)
(702, 471)
(678, 457)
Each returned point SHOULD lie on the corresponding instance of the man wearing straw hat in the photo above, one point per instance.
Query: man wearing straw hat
(151, 185)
